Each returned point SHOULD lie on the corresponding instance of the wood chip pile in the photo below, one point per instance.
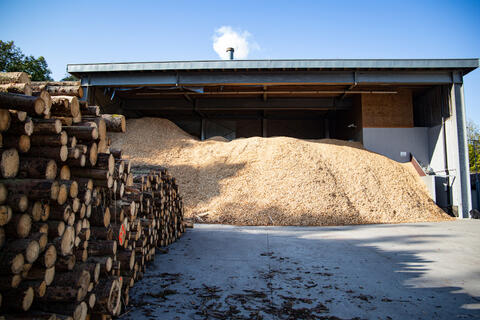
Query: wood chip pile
(280, 180)
(77, 226)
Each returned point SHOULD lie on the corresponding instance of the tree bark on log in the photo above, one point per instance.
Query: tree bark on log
(37, 168)
(19, 226)
(56, 153)
(37, 189)
(34, 106)
(46, 126)
(18, 127)
(115, 122)
(14, 77)
(53, 140)
(19, 88)
(65, 106)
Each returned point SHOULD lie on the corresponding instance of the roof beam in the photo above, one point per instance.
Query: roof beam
(170, 78)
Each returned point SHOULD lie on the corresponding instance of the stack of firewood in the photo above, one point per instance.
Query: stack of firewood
(77, 226)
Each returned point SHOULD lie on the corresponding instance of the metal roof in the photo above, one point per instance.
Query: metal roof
(465, 64)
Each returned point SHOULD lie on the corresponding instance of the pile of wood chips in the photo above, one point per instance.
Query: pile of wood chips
(280, 180)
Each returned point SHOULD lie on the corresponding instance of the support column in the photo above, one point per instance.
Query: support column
(457, 150)
(202, 129)
(464, 164)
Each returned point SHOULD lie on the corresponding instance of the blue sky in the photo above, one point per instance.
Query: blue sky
(114, 31)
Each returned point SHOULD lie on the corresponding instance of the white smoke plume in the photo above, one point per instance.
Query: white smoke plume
(225, 37)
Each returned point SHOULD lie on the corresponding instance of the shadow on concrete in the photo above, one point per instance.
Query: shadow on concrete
(350, 272)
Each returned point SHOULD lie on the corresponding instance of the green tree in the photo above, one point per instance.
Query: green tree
(70, 78)
(473, 136)
(12, 59)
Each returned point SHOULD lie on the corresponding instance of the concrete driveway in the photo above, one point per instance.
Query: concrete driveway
(404, 271)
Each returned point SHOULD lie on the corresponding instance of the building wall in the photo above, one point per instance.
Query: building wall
(388, 110)
(390, 142)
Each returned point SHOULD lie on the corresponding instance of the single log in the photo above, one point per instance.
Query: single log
(81, 255)
(45, 96)
(61, 90)
(65, 106)
(40, 227)
(101, 233)
(65, 243)
(20, 88)
(36, 189)
(96, 174)
(100, 124)
(30, 104)
(9, 163)
(108, 295)
(35, 210)
(64, 173)
(115, 122)
(66, 121)
(92, 153)
(5, 120)
(6, 214)
(105, 161)
(74, 310)
(19, 299)
(21, 143)
(100, 217)
(18, 127)
(106, 264)
(102, 145)
(10, 281)
(67, 188)
(72, 142)
(19, 226)
(127, 259)
(90, 110)
(30, 248)
(46, 126)
(78, 163)
(56, 153)
(14, 77)
(37, 168)
(63, 293)
(51, 140)
(73, 153)
(56, 228)
(93, 268)
(48, 258)
(63, 264)
(18, 202)
(77, 278)
(60, 212)
(86, 133)
(38, 272)
(103, 247)
(11, 262)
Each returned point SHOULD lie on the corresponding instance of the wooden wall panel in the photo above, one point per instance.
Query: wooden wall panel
(388, 110)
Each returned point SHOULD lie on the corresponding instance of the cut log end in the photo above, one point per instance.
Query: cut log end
(9, 163)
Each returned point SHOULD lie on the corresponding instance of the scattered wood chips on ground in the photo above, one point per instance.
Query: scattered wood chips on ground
(280, 180)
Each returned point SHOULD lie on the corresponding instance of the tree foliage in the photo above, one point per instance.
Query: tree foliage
(70, 78)
(473, 136)
(12, 59)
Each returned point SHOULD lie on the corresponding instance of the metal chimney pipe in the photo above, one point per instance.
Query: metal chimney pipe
(231, 50)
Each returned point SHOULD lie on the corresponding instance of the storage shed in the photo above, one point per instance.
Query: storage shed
(401, 108)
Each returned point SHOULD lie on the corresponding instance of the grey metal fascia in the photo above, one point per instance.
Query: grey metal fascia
(277, 64)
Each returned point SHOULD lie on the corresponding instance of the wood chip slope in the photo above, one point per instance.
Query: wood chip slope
(280, 180)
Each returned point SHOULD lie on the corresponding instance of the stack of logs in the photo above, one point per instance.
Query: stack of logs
(77, 226)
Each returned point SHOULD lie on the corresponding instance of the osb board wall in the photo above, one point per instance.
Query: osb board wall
(388, 110)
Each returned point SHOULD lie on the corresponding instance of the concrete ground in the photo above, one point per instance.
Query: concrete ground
(404, 271)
